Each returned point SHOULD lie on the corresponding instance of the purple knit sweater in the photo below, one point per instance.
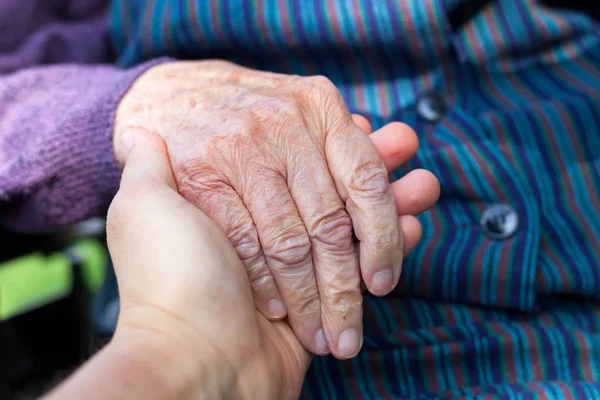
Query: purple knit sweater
(57, 104)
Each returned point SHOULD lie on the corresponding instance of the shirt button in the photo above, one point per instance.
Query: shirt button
(499, 221)
(432, 107)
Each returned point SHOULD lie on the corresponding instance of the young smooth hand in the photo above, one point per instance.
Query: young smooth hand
(188, 327)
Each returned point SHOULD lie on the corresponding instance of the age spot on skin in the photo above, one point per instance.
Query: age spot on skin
(193, 102)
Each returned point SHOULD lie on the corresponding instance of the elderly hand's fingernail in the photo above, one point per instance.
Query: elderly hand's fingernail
(381, 282)
(321, 342)
(349, 343)
(276, 309)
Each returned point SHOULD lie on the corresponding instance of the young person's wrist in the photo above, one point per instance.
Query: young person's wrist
(141, 363)
(172, 359)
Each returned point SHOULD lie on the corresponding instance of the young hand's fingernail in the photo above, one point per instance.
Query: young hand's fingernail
(349, 343)
(321, 342)
(128, 139)
(276, 309)
(381, 282)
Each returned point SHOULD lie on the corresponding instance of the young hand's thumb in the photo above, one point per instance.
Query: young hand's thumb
(147, 158)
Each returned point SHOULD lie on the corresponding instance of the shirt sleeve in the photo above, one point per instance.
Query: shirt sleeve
(56, 155)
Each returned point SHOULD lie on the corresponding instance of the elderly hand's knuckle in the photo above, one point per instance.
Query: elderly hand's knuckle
(291, 250)
(370, 180)
(341, 302)
(260, 279)
(330, 96)
(196, 171)
(281, 119)
(321, 83)
(317, 88)
(286, 108)
(247, 249)
(244, 239)
(201, 184)
(332, 108)
(243, 236)
(308, 306)
(333, 230)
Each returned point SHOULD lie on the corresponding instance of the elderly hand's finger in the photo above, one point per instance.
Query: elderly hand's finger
(362, 181)
(416, 192)
(335, 261)
(223, 205)
(411, 233)
(419, 189)
(287, 250)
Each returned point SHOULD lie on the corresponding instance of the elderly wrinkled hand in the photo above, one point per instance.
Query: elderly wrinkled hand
(300, 189)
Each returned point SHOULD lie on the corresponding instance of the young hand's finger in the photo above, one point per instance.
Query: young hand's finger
(362, 123)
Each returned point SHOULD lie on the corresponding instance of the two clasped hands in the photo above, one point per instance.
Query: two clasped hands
(252, 208)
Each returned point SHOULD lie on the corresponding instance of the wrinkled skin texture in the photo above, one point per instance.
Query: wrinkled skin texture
(201, 309)
(300, 190)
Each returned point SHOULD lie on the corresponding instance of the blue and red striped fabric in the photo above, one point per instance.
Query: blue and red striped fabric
(472, 317)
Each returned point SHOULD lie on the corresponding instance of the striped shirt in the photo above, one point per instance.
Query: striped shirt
(506, 103)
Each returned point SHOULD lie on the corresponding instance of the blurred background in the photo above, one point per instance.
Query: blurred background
(58, 305)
